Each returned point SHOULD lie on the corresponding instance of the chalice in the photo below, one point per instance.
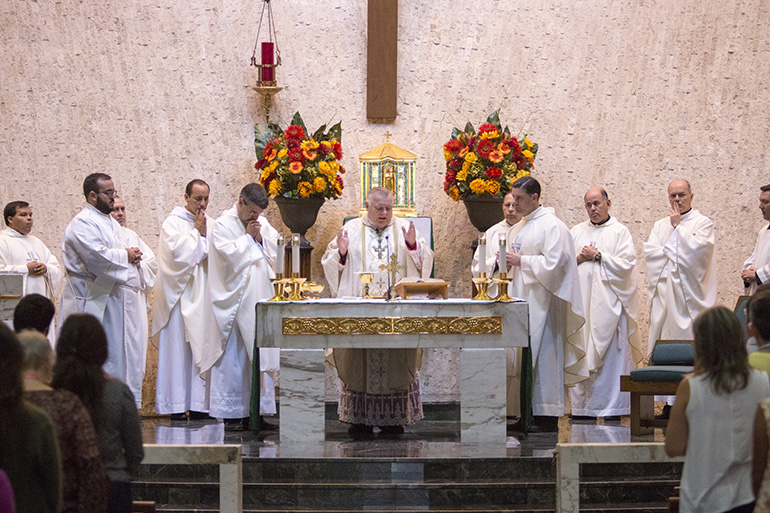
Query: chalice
(366, 279)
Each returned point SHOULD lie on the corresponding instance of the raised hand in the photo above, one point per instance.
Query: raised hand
(343, 242)
(410, 235)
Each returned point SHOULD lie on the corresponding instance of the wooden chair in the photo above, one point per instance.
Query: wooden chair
(670, 360)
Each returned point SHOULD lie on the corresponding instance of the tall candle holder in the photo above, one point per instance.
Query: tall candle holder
(279, 285)
(482, 284)
(296, 282)
(502, 284)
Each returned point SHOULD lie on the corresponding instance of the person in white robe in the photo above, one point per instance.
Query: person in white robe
(681, 268)
(179, 307)
(102, 271)
(388, 394)
(606, 261)
(681, 271)
(137, 301)
(242, 253)
(23, 253)
(541, 263)
(509, 227)
(756, 268)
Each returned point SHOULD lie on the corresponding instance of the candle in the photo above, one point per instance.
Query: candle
(482, 253)
(279, 256)
(295, 253)
(267, 60)
(501, 255)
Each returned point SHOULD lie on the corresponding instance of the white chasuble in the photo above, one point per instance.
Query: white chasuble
(548, 280)
(760, 259)
(16, 251)
(98, 278)
(610, 295)
(682, 275)
(391, 370)
(178, 314)
(240, 270)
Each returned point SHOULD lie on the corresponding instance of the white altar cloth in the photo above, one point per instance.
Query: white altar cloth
(303, 329)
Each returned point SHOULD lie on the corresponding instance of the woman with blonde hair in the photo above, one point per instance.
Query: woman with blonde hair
(712, 418)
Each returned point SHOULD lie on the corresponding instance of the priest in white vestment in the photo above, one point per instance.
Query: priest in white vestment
(387, 394)
(606, 260)
(103, 273)
(509, 227)
(137, 301)
(681, 268)
(756, 268)
(23, 253)
(541, 263)
(242, 253)
(179, 307)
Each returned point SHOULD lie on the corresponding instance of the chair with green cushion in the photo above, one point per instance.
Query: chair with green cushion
(669, 362)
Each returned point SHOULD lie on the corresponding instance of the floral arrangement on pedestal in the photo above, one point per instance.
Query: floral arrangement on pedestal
(295, 164)
(487, 161)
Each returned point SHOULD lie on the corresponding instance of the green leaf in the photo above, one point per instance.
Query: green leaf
(297, 120)
(494, 118)
(275, 130)
(506, 133)
(261, 139)
(318, 134)
(335, 132)
(456, 132)
(469, 128)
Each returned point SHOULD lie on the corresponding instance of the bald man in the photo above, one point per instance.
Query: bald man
(681, 268)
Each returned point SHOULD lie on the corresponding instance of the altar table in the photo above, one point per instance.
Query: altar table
(481, 329)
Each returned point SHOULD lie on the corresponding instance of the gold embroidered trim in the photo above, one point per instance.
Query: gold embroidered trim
(392, 325)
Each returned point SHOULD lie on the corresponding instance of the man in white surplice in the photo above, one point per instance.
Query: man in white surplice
(102, 271)
(136, 302)
(541, 262)
(24, 253)
(756, 268)
(606, 261)
(509, 227)
(179, 307)
(681, 270)
(380, 387)
(242, 252)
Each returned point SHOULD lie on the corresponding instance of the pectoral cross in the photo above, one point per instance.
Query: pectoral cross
(392, 269)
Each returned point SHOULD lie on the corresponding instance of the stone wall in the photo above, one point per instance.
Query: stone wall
(626, 94)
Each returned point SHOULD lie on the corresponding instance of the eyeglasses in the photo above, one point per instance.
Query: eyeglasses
(110, 193)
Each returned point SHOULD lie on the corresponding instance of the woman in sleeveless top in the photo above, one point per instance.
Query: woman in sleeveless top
(711, 420)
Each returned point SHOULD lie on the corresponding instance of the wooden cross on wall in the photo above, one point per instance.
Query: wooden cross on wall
(382, 61)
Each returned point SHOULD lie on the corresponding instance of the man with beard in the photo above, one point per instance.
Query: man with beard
(101, 269)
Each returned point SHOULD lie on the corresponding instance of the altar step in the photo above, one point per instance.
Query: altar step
(337, 485)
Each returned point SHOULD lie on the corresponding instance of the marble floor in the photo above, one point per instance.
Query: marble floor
(424, 439)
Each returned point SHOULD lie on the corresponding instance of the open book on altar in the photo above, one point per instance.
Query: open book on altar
(415, 288)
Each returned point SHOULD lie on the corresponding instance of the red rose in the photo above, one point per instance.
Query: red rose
(494, 173)
(295, 131)
(484, 148)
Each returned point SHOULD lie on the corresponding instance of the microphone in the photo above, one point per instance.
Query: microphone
(387, 262)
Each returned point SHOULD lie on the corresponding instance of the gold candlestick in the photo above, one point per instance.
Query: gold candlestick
(482, 283)
(279, 284)
(502, 284)
(296, 282)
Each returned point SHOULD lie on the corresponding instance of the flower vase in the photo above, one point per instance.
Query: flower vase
(299, 214)
(484, 210)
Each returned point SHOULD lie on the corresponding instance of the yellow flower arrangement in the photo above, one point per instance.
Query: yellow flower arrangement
(294, 164)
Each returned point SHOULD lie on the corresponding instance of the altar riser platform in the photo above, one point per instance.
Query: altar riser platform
(445, 485)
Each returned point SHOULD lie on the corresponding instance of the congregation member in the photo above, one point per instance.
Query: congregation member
(23, 253)
(81, 351)
(379, 387)
(102, 272)
(681, 270)
(33, 312)
(136, 302)
(85, 481)
(509, 227)
(541, 263)
(758, 326)
(178, 310)
(712, 417)
(606, 260)
(756, 268)
(242, 253)
(29, 454)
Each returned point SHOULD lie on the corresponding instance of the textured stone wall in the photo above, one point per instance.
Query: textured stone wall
(626, 94)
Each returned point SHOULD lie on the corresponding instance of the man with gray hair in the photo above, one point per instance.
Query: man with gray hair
(242, 253)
